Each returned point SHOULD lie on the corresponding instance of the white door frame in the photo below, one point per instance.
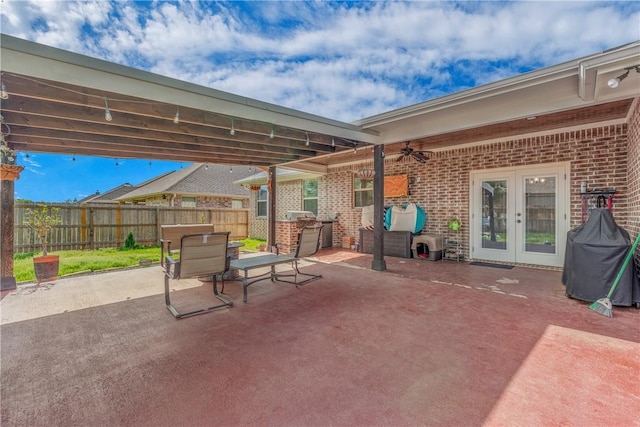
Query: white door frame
(514, 177)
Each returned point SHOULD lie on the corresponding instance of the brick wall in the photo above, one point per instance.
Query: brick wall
(441, 186)
(218, 202)
(603, 157)
(289, 199)
(633, 220)
(201, 202)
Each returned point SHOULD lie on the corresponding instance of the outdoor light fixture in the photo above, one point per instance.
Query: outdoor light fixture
(307, 142)
(614, 83)
(176, 119)
(333, 142)
(366, 174)
(107, 112)
(233, 128)
(3, 91)
(272, 132)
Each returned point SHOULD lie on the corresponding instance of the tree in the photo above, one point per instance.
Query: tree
(41, 221)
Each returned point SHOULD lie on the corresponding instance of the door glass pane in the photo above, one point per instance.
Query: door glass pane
(540, 214)
(494, 214)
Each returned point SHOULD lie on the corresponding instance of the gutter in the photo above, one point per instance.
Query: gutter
(532, 78)
(609, 61)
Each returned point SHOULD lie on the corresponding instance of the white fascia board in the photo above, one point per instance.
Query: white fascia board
(595, 68)
(482, 112)
(282, 175)
(306, 166)
(45, 62)
(542, 80)
(491, 90)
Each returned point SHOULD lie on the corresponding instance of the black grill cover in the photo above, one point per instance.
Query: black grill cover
(595, 253)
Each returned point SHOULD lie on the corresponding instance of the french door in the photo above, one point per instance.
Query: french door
(520, 214)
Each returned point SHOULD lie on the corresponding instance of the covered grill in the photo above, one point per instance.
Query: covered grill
(595, 253)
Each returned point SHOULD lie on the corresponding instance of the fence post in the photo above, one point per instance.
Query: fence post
(158, 225)
(91, 230)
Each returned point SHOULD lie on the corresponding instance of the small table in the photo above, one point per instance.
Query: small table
(251, 263)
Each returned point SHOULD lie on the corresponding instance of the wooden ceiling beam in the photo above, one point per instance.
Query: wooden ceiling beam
(47, 126)
(83, 119)
(125, 148)
(51, 93)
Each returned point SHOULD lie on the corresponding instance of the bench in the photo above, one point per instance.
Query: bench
(172, 235)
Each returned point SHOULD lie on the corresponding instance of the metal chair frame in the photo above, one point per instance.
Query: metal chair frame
(201, 255)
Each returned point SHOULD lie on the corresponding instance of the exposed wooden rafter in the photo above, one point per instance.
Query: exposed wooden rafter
(53, 117)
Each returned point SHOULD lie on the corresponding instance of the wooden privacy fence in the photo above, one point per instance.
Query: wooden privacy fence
(92, 227)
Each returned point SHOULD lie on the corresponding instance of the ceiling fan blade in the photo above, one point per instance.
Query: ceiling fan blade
(420, 156)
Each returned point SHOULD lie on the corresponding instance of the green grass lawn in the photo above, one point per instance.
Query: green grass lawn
(100, 259)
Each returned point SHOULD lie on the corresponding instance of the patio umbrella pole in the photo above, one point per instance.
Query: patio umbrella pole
(603, 305)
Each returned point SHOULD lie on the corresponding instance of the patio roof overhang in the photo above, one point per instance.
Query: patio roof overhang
(569, 96)
(57, 102)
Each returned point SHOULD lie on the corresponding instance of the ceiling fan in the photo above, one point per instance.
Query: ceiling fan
(418, 156)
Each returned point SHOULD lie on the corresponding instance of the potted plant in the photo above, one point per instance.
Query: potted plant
(9, 170)
(40, 221)
(454, 224)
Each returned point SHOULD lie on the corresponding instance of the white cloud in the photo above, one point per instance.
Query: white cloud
(341, 60)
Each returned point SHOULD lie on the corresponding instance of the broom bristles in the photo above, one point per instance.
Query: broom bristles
(602, 306)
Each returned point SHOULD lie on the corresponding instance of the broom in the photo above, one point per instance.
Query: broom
(603, 305)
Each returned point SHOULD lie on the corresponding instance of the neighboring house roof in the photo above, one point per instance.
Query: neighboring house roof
(109, 196)
(282, 175)
(196, 180)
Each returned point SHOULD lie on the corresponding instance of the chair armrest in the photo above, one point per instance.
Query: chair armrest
(162, 245)
(169, 261)
(277, 247)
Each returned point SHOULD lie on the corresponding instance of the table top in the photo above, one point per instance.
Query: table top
(260, 261)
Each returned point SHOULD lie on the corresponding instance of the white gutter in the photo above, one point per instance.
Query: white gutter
(611, 60)
(530, 79)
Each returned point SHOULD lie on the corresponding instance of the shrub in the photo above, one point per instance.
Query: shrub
(130, 243)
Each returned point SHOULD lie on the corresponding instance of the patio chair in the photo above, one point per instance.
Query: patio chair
(201, 255)
(308, 245)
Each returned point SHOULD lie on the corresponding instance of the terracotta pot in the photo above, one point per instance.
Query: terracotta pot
(46, 268)
(10, 172)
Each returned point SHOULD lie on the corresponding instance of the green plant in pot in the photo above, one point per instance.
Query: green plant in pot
(41, 221)
(454, 224)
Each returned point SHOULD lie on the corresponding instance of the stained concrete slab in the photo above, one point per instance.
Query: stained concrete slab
(423, 343)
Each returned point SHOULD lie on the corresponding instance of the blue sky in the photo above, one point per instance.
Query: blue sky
(341, 60)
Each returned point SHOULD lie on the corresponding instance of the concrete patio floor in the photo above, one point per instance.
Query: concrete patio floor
(422, 343)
